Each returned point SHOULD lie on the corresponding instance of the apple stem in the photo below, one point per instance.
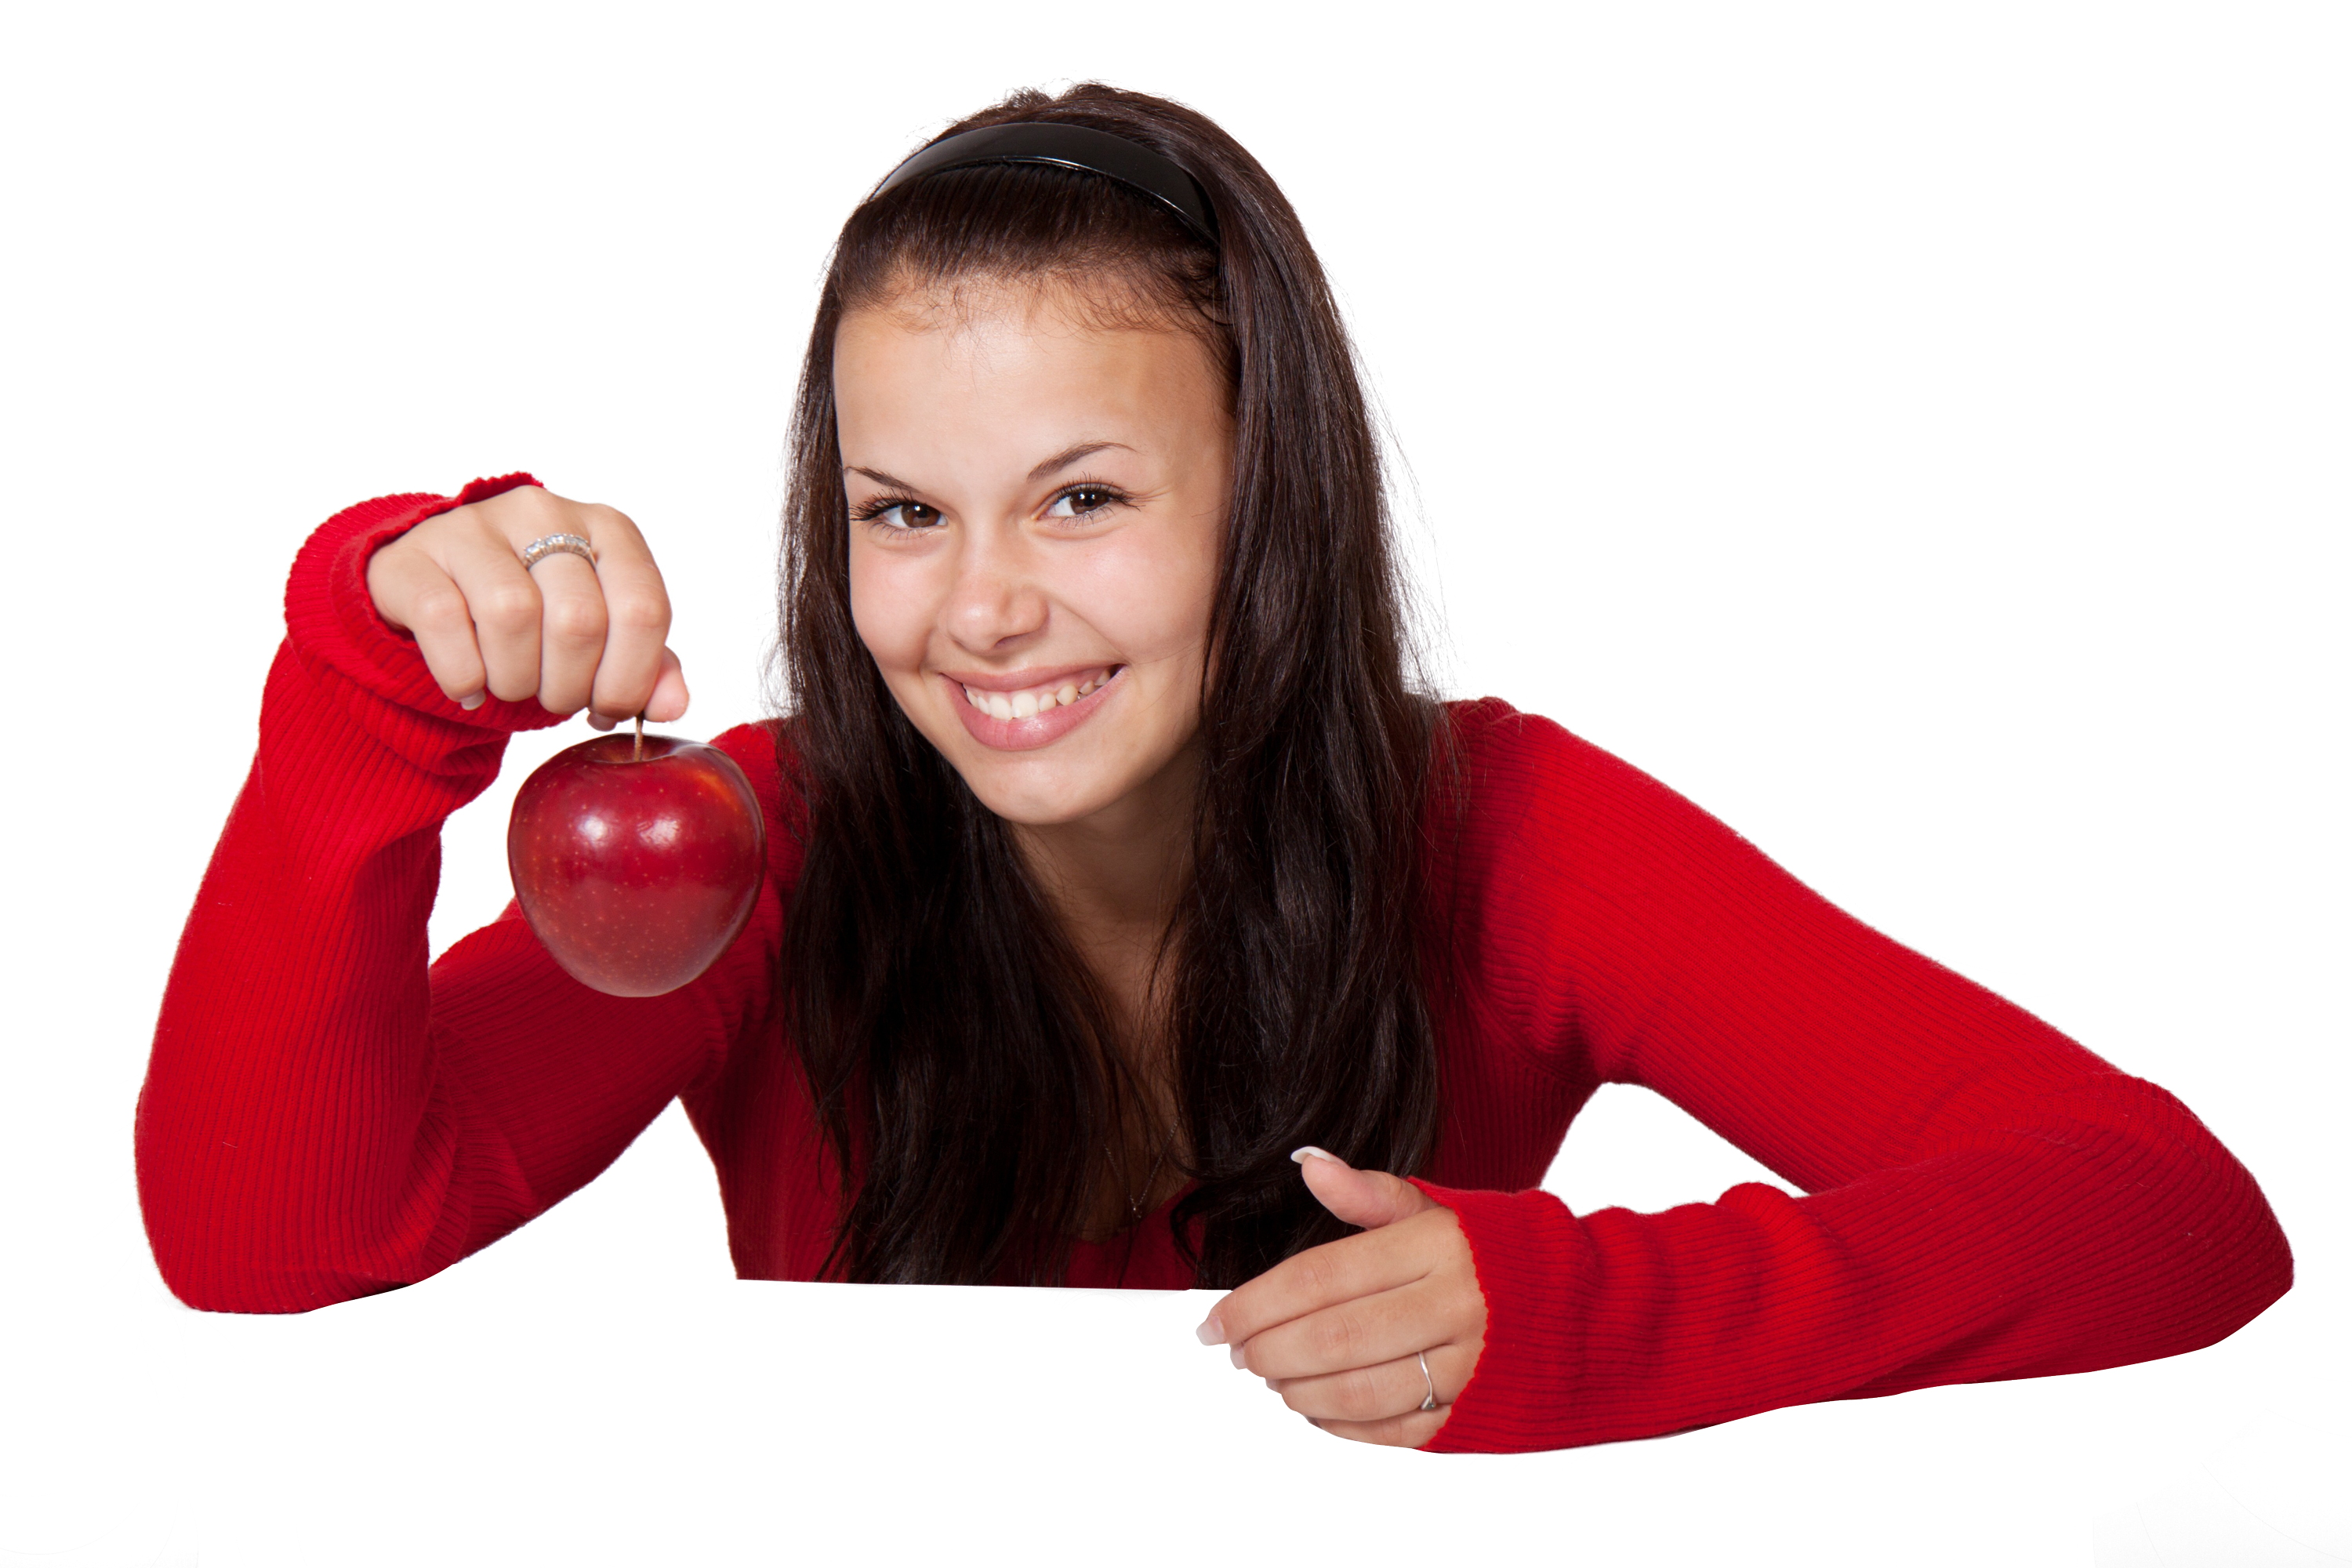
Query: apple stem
(637, 751)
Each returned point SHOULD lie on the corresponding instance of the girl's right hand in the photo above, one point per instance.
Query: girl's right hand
(572, 634)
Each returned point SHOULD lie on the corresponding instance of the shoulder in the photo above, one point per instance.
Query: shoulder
(1500, 762)
(1528, 810)
(1486, 727)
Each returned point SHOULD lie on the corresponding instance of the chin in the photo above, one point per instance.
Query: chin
(1045, 797)
(1083, 774)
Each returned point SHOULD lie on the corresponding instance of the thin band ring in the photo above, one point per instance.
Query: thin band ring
(548, 544)
(1430, 1403)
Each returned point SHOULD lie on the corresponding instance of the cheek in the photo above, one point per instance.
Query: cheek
(1153, 603)
(887, 608)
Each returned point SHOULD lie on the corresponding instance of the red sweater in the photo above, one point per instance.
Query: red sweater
(324, 1118)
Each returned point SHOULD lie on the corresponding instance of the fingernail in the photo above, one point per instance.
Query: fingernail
(1236, 1353)
(1311, 1153)
(598, 722)
(471, 703)
(1212, 1331)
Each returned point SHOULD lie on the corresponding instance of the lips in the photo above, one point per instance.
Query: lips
(1033, 692)
(1033, 713)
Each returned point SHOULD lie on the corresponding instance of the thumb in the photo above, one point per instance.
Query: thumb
(1367, 1198)
(668, 704)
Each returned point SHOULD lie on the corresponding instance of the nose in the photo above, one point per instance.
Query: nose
(996, 598)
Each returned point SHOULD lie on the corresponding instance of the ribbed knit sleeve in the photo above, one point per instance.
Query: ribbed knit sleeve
(1981, 1197)
(320, 1117)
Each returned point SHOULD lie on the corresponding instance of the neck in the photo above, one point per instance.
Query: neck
(1120, 869)
(1113, 879)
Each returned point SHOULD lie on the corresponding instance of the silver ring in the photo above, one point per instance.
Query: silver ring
(1430, 1403)
(548, 544)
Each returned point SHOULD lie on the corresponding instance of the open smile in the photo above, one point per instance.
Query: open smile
(1025, 710)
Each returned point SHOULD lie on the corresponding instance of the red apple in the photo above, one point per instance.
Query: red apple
(636, 862)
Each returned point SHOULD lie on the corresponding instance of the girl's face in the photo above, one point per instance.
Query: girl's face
(1037, 508)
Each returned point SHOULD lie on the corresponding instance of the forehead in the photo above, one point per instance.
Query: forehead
(1054, 303)
(1006, 359)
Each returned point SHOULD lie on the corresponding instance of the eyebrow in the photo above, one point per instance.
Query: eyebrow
(1055, 464)
(1067, 456)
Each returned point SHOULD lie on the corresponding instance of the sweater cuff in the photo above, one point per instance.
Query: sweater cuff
(334, 629)
(1533, 1260)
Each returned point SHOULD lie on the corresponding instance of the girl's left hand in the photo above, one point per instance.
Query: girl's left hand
(1339, 1331)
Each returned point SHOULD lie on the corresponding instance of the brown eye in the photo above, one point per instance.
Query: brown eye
(1083, 499)
(908, 515)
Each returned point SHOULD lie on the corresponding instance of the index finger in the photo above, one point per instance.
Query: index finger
(636, 615)
(1362, 1265)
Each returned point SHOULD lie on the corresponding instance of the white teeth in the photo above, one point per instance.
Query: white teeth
(1029, 704)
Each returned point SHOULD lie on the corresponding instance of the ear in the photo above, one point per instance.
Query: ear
(1366, 1198)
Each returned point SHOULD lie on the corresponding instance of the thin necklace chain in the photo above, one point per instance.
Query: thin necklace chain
(1135, 1200)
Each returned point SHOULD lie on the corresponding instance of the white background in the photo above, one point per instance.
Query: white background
(1920, 436)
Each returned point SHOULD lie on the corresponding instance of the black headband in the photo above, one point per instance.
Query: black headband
(1069, 147)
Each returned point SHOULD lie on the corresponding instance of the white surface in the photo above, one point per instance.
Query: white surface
(550, 1403)
(1919, 437)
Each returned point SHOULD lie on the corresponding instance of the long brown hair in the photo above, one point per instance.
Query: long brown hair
(958, 1049)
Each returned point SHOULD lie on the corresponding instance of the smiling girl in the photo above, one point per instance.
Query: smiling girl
(1129, 918)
